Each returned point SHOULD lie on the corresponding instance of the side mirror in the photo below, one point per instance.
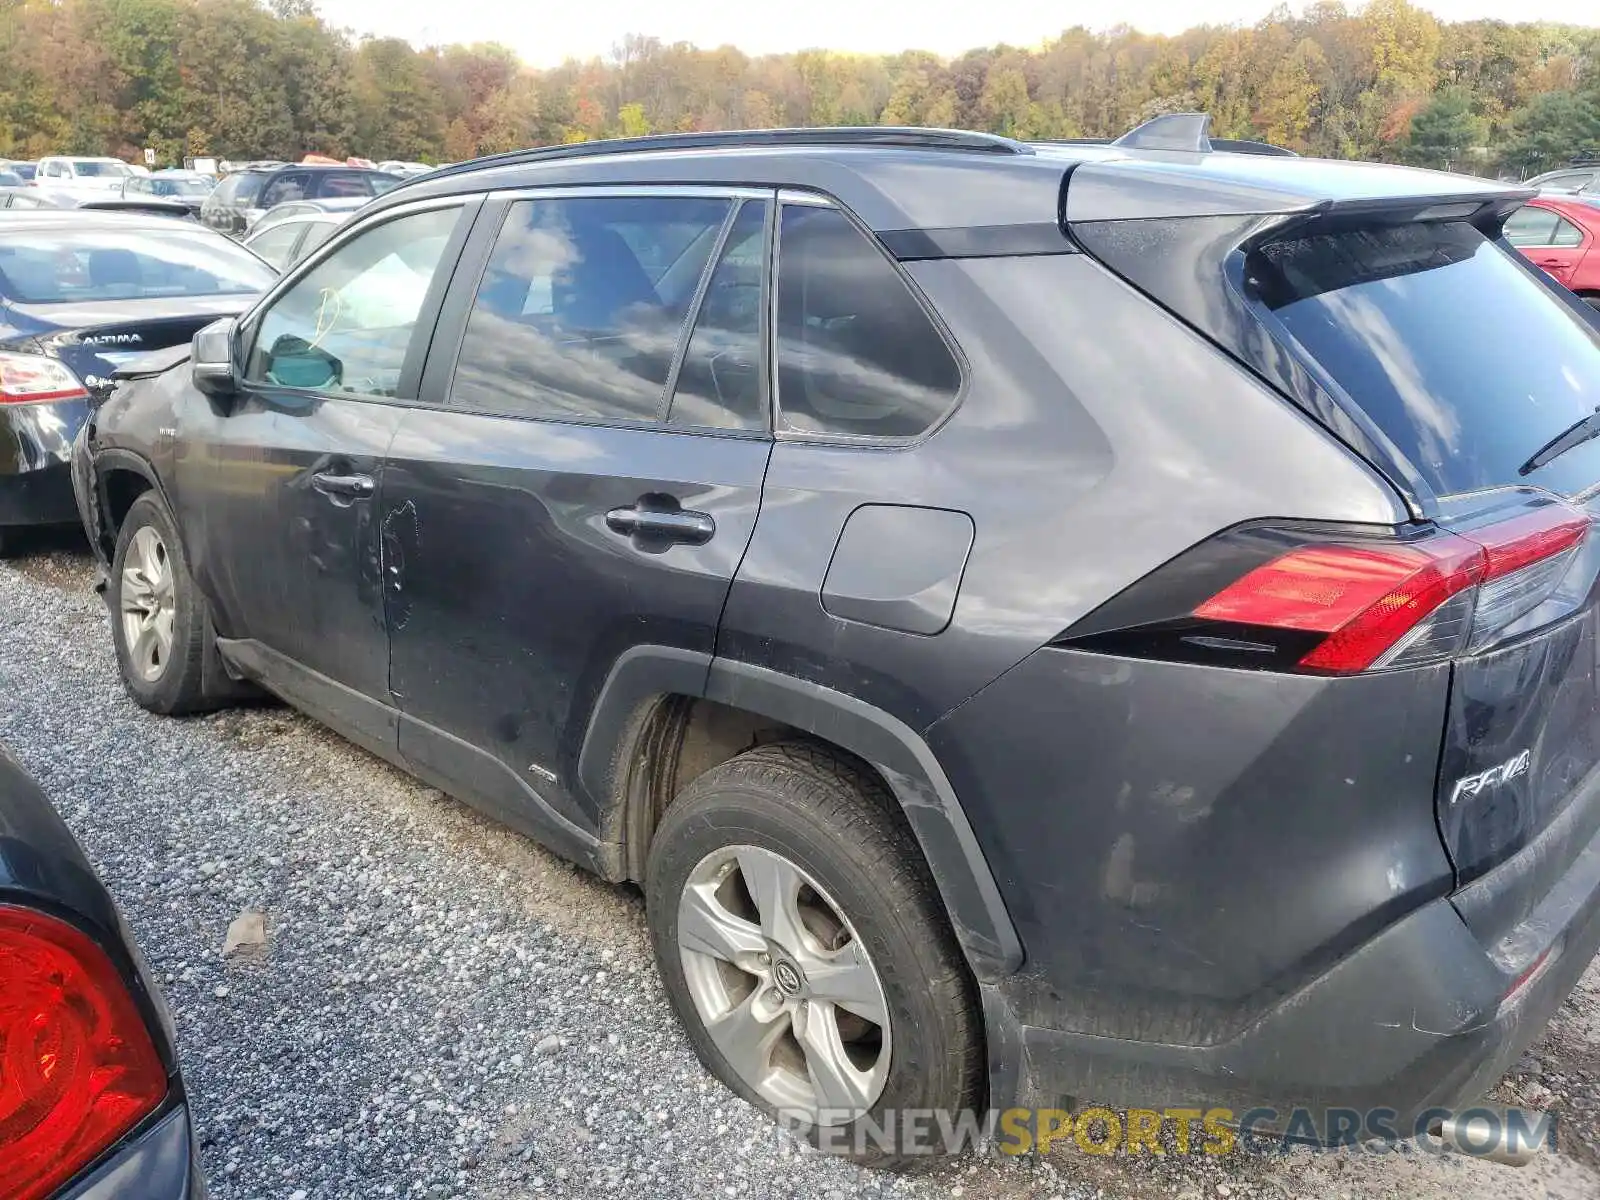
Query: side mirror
(211, 360)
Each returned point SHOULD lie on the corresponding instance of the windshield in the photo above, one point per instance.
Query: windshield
(60, 266)
(180, 187)
(89, 166)
(1463, 358)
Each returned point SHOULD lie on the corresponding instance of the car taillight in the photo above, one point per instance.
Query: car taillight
(1288, 599)
(35, 379)
(77, 1067)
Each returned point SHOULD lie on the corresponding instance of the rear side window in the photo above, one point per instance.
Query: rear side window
(857, 353)
(582, 306)
(1455, 350)
(343, 183)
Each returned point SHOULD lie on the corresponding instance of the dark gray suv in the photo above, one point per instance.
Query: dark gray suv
(1040, 622)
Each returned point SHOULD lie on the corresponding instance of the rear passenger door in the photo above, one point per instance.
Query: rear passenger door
(582, 478)
(1548, 240)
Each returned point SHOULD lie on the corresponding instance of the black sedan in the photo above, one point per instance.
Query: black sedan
(81, 293)
(92, 1106)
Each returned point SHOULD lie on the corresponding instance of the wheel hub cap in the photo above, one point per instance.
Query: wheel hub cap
(783, 985)
(148, 604)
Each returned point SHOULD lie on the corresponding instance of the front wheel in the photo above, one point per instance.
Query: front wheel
(806, 953)
(157, 618)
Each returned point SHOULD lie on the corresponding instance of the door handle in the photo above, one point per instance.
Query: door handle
(330, 484)
(665, 524)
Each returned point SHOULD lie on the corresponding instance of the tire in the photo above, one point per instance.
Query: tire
(170, 682)
(865, 899)
(1593, 301)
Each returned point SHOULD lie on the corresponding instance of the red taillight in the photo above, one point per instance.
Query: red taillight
(1372, 600)
(35, 379)
(77, 1066)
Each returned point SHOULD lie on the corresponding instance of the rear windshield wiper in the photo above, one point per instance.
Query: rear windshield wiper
(1585, 429)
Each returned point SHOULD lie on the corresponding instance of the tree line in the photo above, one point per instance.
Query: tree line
(239, 79)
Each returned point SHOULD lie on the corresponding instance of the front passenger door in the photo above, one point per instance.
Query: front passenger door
(278, 484)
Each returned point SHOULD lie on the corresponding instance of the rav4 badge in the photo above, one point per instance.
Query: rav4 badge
(1471, 785)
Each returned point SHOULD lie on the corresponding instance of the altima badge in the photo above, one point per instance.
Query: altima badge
(1471, 785)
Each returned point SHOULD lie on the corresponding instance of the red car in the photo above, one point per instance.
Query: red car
(1561, 235)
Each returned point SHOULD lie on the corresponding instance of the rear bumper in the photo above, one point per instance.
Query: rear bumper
(1415, 1019)
(35, 456)
(160, 1164)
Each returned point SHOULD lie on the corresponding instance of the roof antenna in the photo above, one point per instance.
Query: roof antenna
(1173, 131)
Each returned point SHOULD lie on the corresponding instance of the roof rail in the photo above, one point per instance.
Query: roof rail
(1172, 131)
(847, 135)
(1242, 146)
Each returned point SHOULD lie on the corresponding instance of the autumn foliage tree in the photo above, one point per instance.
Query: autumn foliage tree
(244, 79)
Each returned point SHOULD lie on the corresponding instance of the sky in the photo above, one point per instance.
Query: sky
(544, 34)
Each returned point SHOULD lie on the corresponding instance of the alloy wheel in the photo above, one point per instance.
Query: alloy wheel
(148, 604)
(783, 985)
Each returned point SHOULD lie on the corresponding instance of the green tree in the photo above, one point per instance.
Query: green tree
(1551, 128)
(1444, 130)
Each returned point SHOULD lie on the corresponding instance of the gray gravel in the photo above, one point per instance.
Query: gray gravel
(442, 1009)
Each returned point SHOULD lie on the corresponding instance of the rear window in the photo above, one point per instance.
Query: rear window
(239, 189)
(1459, 355)
(90, 167)
(62, 266)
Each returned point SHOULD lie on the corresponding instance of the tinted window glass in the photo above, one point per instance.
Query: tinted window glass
(345, 326)
(1457, 352)
(579, 312)
(343, 183)
(1531, 226)
(293, 185)
(57, 266)
(275, 242)
(719, 384)
(856, 352)
(89, 168)
(240, 189)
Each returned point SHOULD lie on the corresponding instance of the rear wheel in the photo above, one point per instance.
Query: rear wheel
(805, 951)
(157, 618)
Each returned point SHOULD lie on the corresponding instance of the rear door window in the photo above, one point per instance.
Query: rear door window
(582, 306)
(719, 384)
(343, 183)
(857, 353)
(1531, 226)
(291, 185)
(1455, 350)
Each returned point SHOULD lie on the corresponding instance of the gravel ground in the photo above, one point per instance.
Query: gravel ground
(442, 1009)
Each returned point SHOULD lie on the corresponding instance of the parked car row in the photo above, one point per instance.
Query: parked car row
(875, 543)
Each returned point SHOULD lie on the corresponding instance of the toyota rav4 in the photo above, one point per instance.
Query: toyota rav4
(1040, 622)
